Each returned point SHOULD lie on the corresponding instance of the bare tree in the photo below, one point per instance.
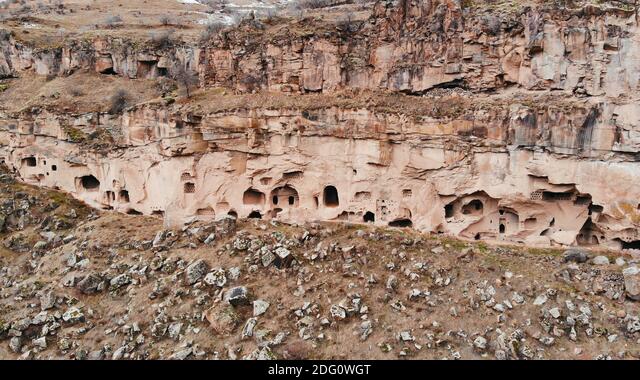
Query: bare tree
(187, 79)
(118, 101)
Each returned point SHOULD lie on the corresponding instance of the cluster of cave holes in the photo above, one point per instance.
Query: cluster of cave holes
(32, 161)
(286, 195)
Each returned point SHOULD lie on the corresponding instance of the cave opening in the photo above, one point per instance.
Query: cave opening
(330, 196)
(448, 211)
(89, 183)
(369, 217)
(284, 195)
(473, 208)
(588, 234)
(634, 244)
(502, 228)
(551, 196)
(29, 161)
(108, 71)
(123, 196)
(401, 223)
(255, 215)
(253, 197)
(189, 187)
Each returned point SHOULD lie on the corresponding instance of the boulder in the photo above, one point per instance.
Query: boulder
(196, 271)
(632, 282)
(237, 296)
(216, 277)
(600, 260)
(575, 255)
(91, 283)
(260, 307)
(223, 319)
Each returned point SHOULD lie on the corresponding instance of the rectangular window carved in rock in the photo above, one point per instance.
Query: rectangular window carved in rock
(189, 188)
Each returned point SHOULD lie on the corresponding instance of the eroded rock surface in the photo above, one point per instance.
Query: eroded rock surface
(511, 126)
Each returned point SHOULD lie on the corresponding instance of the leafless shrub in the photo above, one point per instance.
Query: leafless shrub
(4, 35)
(113, 20)
(162, 40)
(212, 29)
(118, 101)
(186, 79)
(76, 92)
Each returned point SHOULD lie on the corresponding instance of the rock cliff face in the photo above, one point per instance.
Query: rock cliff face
(513, 127)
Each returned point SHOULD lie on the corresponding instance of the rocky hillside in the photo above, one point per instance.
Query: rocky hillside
(81, 284)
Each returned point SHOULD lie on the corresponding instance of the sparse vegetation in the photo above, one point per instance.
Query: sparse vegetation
(119, 101)
(187, 79)
(113, 20)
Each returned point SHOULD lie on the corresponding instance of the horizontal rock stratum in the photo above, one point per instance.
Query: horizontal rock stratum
(512, 126)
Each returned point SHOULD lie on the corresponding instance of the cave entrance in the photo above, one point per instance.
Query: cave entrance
(89, 183)
(448, 211)
(401, 223)
(189, 188)
(255, 215)
(473, 208)
(588, 234)
(284, 195)
(634, 244)
(123, 196)
(369, 217)
(330, 197)
(503, 228)
(29, 161)
(108, 71)
(253, 197)
(551, 196)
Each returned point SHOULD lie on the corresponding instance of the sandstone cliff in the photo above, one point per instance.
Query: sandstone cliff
(515, 126)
